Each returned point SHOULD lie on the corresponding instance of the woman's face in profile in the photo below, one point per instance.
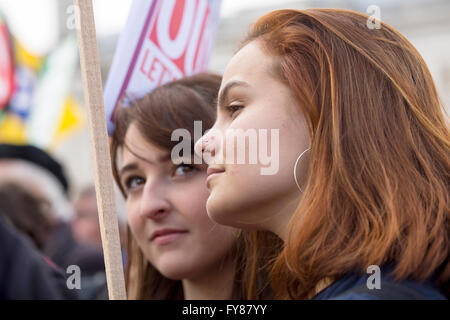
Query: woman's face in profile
(166, 211)
(254, 105)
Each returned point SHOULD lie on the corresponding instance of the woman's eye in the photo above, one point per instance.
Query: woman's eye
(232, 109)
(134, 182)
(183, 169)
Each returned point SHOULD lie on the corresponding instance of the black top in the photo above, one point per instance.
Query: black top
(354, 287)
(24, 273)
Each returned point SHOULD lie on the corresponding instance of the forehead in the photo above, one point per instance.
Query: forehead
(250, 64)
(136, 146)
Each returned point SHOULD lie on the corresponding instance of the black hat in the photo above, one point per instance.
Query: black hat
(38, 157)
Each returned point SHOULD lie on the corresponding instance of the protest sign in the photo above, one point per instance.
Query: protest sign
(162, 41)
(6, 65)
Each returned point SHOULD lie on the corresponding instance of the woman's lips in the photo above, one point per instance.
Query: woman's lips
(166, 236)
(211, 173)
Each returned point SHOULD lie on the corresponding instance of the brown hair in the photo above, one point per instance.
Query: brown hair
(177, 105)
(378, 190)
(29, 214)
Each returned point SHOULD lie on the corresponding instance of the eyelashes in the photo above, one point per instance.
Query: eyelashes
(133, 182)
(233, 109)
(180, 171)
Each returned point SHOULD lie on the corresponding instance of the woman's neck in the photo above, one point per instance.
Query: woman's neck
(280, 223)
(216, 283)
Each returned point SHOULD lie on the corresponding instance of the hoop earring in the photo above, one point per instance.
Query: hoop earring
(295, 169)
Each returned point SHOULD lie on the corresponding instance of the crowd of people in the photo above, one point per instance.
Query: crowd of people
(363, 179)
(42, 229)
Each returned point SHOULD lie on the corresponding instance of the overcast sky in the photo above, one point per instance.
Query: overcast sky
(35, 22)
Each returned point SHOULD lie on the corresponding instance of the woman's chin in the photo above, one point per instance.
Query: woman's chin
(222, 214)
(217, 210)
(174, 273)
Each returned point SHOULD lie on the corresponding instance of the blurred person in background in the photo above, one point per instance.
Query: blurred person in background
(85, 224)
(27, 213)
(86, 231)
(24, 272)
(43, 178)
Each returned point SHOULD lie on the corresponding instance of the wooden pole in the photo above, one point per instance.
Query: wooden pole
(93, 94)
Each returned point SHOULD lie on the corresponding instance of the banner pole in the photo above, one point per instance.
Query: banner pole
(93, 94)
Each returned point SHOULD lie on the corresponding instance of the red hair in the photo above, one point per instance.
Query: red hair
(378, 190)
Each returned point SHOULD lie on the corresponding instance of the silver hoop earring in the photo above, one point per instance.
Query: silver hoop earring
(295, 169)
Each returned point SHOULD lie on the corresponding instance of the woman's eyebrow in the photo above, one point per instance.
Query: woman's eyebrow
(223, 94)
(128, 167)
(134, 166)
(161, 158)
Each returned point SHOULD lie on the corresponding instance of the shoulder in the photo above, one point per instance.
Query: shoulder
(404, 290)
(24, 274)
(355, 287)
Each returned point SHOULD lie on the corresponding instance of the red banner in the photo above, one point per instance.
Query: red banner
(171, 39)
(6, 66)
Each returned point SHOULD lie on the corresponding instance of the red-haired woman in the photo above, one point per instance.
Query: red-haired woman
(174, 250)
(363, 172)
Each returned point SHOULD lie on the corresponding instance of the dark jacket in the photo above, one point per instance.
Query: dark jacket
(354, 287)
(24, 273)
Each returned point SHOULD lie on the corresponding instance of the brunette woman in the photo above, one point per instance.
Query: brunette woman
(174, 250)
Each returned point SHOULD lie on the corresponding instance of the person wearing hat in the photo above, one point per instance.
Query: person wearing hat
(24, 273)
(36, 172)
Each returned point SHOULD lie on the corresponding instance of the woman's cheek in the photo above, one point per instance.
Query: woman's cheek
(194, 201)
(133, 217)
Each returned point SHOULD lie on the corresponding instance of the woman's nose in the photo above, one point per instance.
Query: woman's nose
(154, 204)
(203, 146)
